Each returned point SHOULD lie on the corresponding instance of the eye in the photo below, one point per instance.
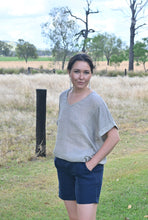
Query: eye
(86, 72)
(76, 71)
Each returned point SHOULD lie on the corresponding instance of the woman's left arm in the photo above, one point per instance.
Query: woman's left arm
(110, 142)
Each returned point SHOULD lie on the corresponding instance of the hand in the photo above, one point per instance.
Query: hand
(89, 165)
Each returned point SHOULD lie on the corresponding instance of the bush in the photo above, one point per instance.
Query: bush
(120, 73)
(139, 74)
(12, 70)
(2, 71)
(110, 73)
(22, 70)
(61, 71)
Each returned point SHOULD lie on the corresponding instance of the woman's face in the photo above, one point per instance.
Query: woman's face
(80, 74)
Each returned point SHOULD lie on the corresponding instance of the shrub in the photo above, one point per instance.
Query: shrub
(110, 73)
(61, 71)
(22, 70)
(2, 71)
(140, 74)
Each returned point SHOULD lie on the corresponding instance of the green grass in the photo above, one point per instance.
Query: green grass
(17, 59)
(125, 187)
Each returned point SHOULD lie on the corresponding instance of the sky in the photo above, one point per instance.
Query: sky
(22, 19)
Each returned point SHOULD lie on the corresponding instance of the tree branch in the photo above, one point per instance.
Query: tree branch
(93, 12)
(146, 2)
(139, 26)
(68, 11)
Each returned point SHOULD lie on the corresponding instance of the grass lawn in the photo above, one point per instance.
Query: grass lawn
(44, 58)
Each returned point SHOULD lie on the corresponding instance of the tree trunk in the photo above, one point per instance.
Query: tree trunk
(108, 61)
(131, 49)
(84, 46)
(63, 62)
(86, 32)
(144, 67)
(132, 36)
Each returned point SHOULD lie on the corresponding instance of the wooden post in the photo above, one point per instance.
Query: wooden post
(41, 122)
(125, 72)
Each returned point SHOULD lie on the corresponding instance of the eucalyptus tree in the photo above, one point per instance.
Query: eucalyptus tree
(96, 47)
(25, 50)
(137, 8)
(60, 31)
(141, 52)
(112, 46)
(5, 49)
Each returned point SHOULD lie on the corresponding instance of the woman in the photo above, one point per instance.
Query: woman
(86, 134)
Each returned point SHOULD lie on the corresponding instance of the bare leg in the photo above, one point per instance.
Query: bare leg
(81, 211)
(87, 211)
(71, 207)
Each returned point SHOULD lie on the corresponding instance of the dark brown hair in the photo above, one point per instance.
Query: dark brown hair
(80, 57)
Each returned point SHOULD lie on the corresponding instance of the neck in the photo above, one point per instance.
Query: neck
(80, 91)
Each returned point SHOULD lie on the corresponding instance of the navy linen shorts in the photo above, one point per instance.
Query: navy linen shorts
(77, 182)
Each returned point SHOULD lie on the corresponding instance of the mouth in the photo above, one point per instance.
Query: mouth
(81, 82)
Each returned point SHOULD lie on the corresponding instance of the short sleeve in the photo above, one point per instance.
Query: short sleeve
(105, 119)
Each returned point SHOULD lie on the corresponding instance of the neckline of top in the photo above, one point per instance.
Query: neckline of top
(79, 100)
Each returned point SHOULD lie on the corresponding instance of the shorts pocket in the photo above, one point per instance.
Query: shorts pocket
(97, 168)
(86, 168)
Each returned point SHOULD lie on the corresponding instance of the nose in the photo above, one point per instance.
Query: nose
(81, 76)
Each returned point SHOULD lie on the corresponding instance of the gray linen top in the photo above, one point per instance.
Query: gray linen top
(82, 127)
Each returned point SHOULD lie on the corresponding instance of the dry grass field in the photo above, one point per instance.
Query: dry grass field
(126, 97)
(101, 65)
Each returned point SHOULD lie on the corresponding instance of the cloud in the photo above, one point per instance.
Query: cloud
(116, 4)
(23, 7)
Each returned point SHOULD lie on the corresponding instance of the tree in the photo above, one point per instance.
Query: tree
(136, 7)
(117, 58)
(84, 32)
(25, 50)
(5, 49)
(60, 30)
(112, 46)
(141, 52)
(96, 47)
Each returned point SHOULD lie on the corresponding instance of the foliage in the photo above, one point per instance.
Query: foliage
(112, 46)
(60, 31)
(96, 47)
(12, 70)
(25, 50)
(110, 73)
(5, 49)
(107, 45)
(117, 58)
(141, 52)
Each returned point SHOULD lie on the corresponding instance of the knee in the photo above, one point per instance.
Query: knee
(73, 217)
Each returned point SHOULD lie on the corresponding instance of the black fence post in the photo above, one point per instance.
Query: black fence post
(29, 70)
(41, 122)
